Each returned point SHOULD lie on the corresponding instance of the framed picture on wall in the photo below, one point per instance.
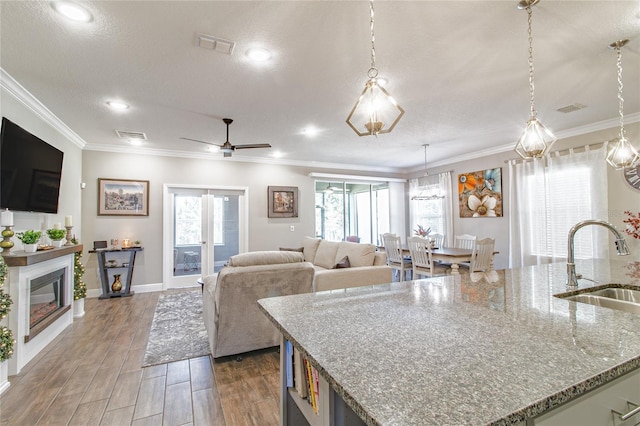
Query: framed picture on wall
(123, 197)
(283, 201)
(480, 193)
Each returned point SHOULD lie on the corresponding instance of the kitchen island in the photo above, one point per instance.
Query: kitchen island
(482, 348)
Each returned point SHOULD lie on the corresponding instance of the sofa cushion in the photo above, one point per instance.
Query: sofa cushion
(299, 249)
(309, 248)
(359, 254)
(326, 254)
(265, 258)
(342, 263)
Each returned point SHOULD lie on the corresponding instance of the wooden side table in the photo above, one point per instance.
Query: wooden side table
(107, 270)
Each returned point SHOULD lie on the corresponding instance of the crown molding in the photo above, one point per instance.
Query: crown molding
(22, 95)
(243, 159)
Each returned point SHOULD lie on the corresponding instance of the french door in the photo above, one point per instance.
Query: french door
(204, 226)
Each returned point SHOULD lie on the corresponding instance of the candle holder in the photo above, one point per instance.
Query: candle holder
(6, 242)
(68, 236)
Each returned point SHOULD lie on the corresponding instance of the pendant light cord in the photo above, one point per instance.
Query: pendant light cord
(620, 98)
(531, 83)
(373, 71)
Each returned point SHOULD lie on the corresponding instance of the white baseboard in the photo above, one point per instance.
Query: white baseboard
(143, 288)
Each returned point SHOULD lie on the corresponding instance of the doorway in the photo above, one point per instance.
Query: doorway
(203, 227)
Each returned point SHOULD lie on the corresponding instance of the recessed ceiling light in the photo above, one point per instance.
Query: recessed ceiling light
(277, 154)
(213, 149)
(72, 11)
(310, 131)
(136, 142)
(259, 54)
(117, 105)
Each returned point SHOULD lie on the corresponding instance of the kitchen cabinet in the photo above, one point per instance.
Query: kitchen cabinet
(600, 407)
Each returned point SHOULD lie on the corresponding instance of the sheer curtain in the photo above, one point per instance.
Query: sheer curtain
(547, 197)
(431, 205)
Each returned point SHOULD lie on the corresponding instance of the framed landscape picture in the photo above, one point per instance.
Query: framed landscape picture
(123, 197)
(283, 201)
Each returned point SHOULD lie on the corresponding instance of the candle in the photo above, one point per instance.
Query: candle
(56, 226)
(6, 218)
(67, 221)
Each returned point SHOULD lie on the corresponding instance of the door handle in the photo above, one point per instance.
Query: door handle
(203, 242)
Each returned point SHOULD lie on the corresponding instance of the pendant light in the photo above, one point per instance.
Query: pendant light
(621, 153)
(432, 192)
(536, 140)
(375, 107)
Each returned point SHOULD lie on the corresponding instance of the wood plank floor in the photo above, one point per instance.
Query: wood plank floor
(92, 375)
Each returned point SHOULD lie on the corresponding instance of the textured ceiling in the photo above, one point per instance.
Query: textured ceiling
(458, 68)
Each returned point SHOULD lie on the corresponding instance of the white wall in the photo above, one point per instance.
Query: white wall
(69, 202)
(264, 233)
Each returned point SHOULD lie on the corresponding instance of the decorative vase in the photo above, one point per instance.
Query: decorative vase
(30, 248)
(57, 243)
(78, 308)
(117, 285)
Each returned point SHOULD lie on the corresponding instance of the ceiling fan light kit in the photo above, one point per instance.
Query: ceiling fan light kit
(375, 107)
(536, 139)
(620, 153)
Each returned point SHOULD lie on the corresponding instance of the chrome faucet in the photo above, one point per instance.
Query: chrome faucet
(621, 247)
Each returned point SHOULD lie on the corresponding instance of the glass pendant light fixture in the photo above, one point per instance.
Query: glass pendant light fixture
(429, 192)
(375, 107)
(536, 140)
(621, 153)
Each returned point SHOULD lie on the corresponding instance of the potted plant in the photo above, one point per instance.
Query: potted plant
(137, 243)
(29, 239)
(56, 236)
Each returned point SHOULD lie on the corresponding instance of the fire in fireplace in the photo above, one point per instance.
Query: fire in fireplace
(47, 301)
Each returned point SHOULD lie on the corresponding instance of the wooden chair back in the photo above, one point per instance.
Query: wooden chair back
(482, 257)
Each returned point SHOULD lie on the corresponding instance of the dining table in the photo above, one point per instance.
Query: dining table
(450, 255)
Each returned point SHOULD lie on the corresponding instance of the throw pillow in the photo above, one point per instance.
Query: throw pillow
(300, 249)
(343, 263)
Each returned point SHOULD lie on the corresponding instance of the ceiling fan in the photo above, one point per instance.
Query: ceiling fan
(226, 147)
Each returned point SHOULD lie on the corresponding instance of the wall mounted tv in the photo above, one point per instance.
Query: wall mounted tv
(30, 171)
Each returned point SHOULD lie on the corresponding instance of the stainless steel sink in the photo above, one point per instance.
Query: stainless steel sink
(626, 294)
(622, 299)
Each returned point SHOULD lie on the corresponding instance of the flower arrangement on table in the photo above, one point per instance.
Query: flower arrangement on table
(633, 224)
(6, 336)
(421, 231)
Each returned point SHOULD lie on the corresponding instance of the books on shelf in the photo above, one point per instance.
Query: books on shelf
(305, 378)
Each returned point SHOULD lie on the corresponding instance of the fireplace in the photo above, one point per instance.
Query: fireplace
(41, 286)
(46, 301)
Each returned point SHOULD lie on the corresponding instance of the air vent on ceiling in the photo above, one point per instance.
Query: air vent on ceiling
(571, 108)
(125, 134)
(217, 44)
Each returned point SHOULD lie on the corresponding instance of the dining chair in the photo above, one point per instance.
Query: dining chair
(422, 258)
(395, 259)
(482, 257)
(438, 240)
(465, 241)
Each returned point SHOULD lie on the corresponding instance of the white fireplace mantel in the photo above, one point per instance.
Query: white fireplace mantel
(23, 267)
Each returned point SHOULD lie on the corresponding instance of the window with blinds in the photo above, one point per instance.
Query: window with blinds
(560, 202)
(429, 213)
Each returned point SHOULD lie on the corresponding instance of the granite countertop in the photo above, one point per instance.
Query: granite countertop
(481, 348)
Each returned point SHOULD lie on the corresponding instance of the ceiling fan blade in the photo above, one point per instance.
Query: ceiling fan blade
(253, 145)
(196, 140)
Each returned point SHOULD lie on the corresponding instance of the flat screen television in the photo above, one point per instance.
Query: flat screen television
(30, 171)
